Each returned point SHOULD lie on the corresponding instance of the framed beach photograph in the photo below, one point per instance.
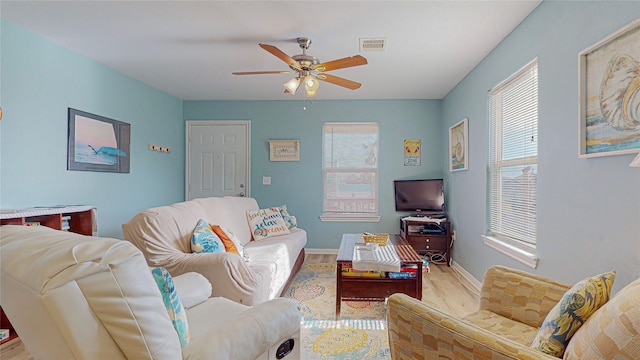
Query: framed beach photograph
(97, 143)
(459, 146)
(609, 92)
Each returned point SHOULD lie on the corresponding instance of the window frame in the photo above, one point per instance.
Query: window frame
(350, 216)
(521, 249)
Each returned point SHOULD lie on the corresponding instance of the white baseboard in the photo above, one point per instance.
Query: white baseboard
(321, 251)
(466, 275)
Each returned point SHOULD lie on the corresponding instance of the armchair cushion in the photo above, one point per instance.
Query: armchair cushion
(575, 307)
(613, 332)
(172, 303)
(205, 240)
(519, 295)
(496, 324)
(193, 288)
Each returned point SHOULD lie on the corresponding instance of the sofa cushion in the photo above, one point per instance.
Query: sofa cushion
(230, 212)
(172, 303)
(288, 219)
(266, 222)
(575, 307)
(613, 332)
(230, 240)
(278, 255)
(205, 240)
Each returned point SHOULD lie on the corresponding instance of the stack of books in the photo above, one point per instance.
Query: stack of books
(349, 272)
(406, 272)
(409, 271)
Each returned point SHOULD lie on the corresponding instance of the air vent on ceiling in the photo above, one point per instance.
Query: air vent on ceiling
(378, 44)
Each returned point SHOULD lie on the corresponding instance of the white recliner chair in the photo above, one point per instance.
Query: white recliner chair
(71, 296)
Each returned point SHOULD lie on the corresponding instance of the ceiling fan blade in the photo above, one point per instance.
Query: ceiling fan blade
(339, 81)
(261, 72)
(341, 63)
(282, 56)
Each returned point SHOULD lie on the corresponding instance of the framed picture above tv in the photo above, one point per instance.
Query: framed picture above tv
(97, 143)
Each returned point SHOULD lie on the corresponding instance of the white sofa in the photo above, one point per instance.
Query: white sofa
(163, 234)
(72, 296)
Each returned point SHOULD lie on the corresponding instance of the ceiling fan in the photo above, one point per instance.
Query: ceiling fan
(309, 69)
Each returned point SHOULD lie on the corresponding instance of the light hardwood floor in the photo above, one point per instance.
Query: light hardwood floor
(442, 288)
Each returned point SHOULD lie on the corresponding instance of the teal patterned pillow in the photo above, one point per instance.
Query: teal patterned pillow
(575, 307)
(172, 303)
(205, 240)
(288, 219)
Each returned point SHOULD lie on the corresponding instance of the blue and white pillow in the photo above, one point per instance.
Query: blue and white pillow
(205, 240)
(288, 219)
(172, 303)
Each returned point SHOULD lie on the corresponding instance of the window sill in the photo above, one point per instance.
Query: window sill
(350, 218)
(526, 257)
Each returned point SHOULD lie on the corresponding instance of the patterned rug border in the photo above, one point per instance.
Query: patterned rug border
(361, 331)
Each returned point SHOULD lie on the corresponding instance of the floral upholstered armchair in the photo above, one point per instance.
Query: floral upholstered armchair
(516, 311)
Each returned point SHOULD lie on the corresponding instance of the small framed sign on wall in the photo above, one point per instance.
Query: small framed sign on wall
(412, 153)
(284, 150)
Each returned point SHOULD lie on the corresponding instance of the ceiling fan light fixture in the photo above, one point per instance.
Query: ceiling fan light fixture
(309, 70)
(311, 83)
(292, 85)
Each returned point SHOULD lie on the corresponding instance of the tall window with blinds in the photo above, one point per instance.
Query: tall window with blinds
(350, 170)
(513, 158)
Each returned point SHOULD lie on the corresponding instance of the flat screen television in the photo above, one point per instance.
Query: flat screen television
(422, 197)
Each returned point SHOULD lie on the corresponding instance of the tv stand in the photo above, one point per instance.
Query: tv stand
(428, 236)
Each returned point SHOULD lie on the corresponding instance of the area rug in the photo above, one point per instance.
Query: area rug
(361, 332)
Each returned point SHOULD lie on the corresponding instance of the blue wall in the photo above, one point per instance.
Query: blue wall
(39, 81)
(299, 184)
(588, 209)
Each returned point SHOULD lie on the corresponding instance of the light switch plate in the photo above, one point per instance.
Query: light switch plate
(266, 180)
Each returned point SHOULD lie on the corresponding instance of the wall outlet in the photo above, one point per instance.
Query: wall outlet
(266, 180)
(159, 148)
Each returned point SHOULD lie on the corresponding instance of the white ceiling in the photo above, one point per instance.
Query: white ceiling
(190, 48)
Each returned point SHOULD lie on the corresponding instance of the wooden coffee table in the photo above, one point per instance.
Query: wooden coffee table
(375, 289)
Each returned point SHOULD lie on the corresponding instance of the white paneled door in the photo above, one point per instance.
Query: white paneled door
(217, 158)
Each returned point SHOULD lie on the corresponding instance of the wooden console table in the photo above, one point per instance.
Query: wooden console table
(77, 219)
(376, 289)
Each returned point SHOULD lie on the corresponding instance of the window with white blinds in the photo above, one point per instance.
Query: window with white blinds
(513, 158)
(350, 170)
